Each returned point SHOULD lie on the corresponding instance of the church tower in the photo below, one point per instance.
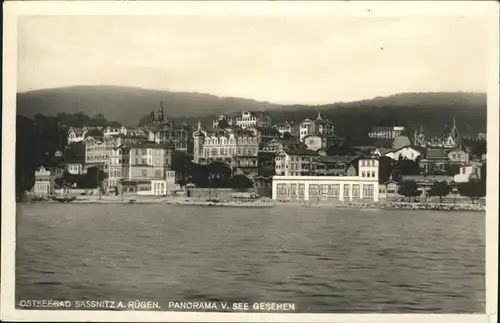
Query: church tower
(198, 139)
(161, 115)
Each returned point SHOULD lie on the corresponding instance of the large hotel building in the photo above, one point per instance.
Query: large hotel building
(362, 187)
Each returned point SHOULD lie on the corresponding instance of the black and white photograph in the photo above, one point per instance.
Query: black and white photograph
(207, 160)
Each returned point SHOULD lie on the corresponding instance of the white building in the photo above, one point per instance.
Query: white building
(295, 162)
(287, 127)
(76, 134)
(319, 126)
(363, 187)
(253, 119)
(236, 147)
(44, 182)
(467, 173)
(386, 132)
(406, 152)
(164, 186)
(75, 168)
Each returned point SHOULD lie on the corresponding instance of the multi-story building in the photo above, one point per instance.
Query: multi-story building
(295, 162)
(97, 152)
(44, 182)
(360, 187)
(253, 119)
(222, 121)
(337, 165)
(319, 127)
(278, 144)
(467, 173)
(386, 132)
(134, 166)
(452, 140)
(287, 128)
(437, 159)
(237, 148)
(76, 134)
(315, 142)
(264, 135)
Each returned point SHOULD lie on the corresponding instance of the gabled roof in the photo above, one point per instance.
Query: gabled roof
(77, 131)
(383, 151)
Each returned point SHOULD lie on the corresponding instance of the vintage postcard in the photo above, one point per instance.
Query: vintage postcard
(250, 161)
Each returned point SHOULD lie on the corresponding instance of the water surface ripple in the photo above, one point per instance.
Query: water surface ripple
(324, 260)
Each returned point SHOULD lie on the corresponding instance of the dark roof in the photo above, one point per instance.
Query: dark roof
(145, 145)
(381, 128)
(337, 158)
(94, 133)
(426, 178)
(270, 129)
(288, 142)
(437, 154)
(77, 131)
(297, 151)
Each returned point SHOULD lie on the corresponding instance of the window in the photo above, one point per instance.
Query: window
(373, 173)
(157, 173)
(362, 174)
(144, 172)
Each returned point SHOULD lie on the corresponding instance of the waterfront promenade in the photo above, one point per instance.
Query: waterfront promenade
(264, 201)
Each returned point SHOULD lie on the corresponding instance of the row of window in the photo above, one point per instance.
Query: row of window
(368, 162)
(229, 151)
(231, 141)
(331, 190)
(97, 157)
(368, 174)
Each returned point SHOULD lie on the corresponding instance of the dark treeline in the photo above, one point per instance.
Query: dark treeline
(39, 140)
(80, 119)
(356, 121)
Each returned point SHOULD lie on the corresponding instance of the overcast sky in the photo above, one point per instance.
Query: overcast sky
(294, 60)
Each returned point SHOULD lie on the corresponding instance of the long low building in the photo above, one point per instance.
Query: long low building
(362, 187)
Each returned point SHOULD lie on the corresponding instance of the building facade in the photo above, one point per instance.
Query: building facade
(136, 165)
(238, 148)
(386, 132)
(319, 126)
(44, 182)
(289, 128)
(330, 188)
(253, 119)
(295, 162)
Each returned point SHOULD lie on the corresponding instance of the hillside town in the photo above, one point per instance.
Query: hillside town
(303, 161)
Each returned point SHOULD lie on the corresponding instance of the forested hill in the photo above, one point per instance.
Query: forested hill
(435, 111)
(128, 105)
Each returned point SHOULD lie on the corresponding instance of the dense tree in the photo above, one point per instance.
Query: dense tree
(473, 189)
(440, 189)
(409, 189)
(386, 166)
(341, 147)
(241, 182)
(180, 161)
(451, 169)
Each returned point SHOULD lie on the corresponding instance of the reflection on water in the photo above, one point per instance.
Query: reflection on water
(323, 260)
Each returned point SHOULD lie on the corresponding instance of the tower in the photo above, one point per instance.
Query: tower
(198, 138)
(161, 115)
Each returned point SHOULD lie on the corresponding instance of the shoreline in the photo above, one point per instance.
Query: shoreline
(265, 202)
